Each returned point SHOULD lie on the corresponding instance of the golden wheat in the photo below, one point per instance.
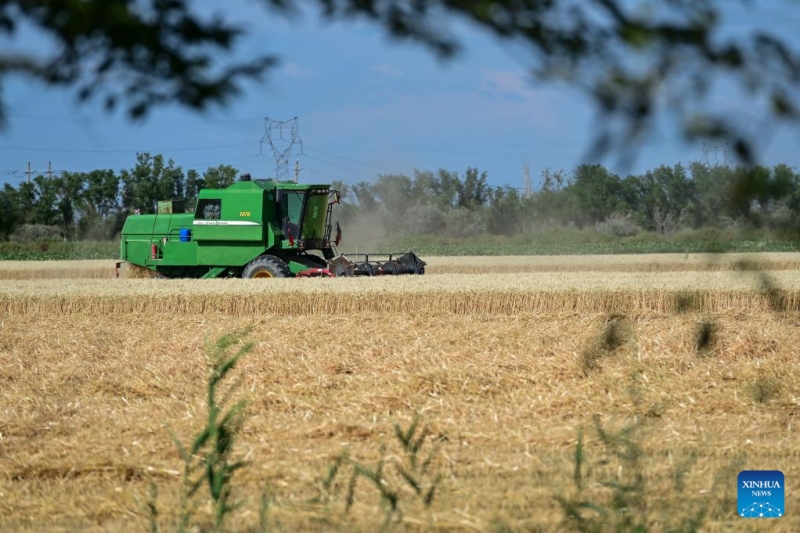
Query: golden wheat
(97, 269)
(91, 269)
(661, 292)
(614, 263)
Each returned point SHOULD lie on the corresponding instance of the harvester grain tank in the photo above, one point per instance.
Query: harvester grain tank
(252, 229)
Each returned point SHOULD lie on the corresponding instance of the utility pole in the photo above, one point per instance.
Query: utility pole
(297, 171)
(29, 172)
(526, 170)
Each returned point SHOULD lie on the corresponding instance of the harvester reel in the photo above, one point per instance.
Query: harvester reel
(386, 264)
(266, 266)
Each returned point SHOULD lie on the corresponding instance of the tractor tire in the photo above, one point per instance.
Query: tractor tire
(266, 266)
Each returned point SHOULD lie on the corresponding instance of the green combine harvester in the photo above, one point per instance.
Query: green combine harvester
(252, 229)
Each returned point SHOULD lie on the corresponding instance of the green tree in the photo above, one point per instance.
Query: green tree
(474, 190)
(597, 193)
(632, 58)
(664, 198)
(554, 204)
(102, 191)
(784, 182)
(193, 185)
(26, 203)
(364, 194)
(448, 187)
(760, 187)
(10, 216)
(70, 186)
(219, 177)
(394, 192)
(505, 210)
(713, 186)
(151, 179)
(99, 206)
(163, 50)
(45, 206)
(425, 188)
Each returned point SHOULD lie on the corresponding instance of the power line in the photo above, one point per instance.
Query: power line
(337, 156)
(360, 174)
(196, 166)
(63, 150)
(366, 165)
(155, 119)
(356, 172)
(390, 142)
(371, 140)
(321, 174)
(15, 173)
(274, 134)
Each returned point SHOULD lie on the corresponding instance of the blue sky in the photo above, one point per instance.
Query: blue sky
(366, 105)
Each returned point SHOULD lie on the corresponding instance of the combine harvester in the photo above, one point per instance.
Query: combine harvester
(252, 229)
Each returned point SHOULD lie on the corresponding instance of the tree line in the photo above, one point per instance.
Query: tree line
(93, 205)
(662, 201)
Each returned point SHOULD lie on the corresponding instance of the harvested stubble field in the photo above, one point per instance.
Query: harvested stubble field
(506, 370)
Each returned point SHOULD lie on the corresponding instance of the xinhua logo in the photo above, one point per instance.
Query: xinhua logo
(760, 494)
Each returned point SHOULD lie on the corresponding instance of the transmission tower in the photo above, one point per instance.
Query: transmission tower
(281, 136)
(711, 153)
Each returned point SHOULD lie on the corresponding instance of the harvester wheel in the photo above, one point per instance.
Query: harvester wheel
(266, 266)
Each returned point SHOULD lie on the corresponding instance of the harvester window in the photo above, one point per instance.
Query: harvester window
(315, 213)
(208, 209)
(291, 211)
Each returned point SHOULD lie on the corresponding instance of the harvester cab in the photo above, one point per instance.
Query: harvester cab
(251, 229)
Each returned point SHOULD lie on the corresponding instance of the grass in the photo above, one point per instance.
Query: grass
(403, 481)
(209, 461)
(58, 250)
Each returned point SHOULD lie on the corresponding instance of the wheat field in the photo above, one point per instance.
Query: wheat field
(506, 368)
(102, 268)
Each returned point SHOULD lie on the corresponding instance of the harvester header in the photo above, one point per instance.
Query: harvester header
(252, 229)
